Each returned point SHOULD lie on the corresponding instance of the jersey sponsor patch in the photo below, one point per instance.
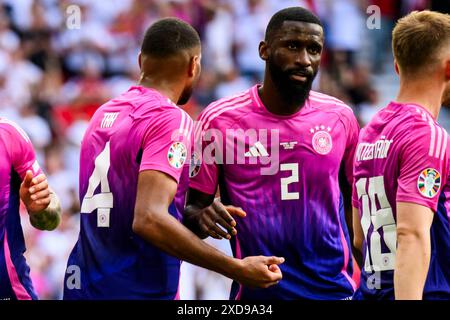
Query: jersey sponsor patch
(429, 182)
(177, 154)
(288, 145)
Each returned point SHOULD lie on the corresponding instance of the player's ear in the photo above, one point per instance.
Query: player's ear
(263, 50)
(447, 69)
(397, 70)
(194, 64)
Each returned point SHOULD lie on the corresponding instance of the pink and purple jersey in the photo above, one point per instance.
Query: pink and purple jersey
(140, 130)
(284, 172)
(402, 156)
(16, 157)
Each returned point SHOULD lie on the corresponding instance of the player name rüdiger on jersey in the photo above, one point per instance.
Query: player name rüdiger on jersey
(370, 151)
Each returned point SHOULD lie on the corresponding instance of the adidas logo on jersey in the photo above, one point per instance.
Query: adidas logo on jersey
(257, 150)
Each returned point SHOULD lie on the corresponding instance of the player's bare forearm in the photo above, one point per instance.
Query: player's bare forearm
(48, 218)
(413, 250)
(413, 257)
(166, 233)
(153, 223)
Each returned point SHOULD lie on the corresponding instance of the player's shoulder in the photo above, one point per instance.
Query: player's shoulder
(12, 129)
(330, 104)
(417, 120)
(422, 130)
(164, 116)
(154, 104)
(226, 109)
(141, 102)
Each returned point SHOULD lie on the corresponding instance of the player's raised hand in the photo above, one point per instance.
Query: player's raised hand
(216, 215)
(35, 192)
(261, 271)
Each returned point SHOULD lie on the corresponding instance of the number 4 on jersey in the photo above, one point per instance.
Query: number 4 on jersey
(102, 201)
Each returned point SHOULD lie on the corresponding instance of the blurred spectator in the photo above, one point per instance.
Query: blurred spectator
(231, 83)
(252, 26)
(60, 178)
(87, 45)
(202, 284)
(382, 37)
(218, 38)
(358, 86)
(71, 153)
(9, 41)
(340, 17)
(369, 108)
(55, 248)
(37, 129)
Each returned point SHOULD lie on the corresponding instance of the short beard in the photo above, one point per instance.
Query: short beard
(292, 94)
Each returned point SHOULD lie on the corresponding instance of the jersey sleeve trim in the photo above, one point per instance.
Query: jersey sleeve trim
(197, 185)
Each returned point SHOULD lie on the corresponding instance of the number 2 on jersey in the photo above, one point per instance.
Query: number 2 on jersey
(285, 182)
(379, 219)
(102, 201)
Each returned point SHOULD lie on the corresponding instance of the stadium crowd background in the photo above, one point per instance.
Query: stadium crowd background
(52, 79)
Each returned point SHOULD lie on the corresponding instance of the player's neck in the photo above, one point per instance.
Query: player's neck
(275, 102)
(428, 95)
(164, 87)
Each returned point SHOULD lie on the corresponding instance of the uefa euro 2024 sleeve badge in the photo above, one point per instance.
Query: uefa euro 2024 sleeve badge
(321, 140)
(429, 182)
(177, 155)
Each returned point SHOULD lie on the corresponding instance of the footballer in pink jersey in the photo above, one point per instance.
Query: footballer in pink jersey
(401, 193)
(133, 180)
(21, 178)
(276, 152)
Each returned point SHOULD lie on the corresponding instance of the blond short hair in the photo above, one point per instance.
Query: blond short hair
(419, 38)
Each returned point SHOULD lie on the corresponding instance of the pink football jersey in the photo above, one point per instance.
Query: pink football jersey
(16, 157)
(139, 130)
(283, 171)
(402, 156)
